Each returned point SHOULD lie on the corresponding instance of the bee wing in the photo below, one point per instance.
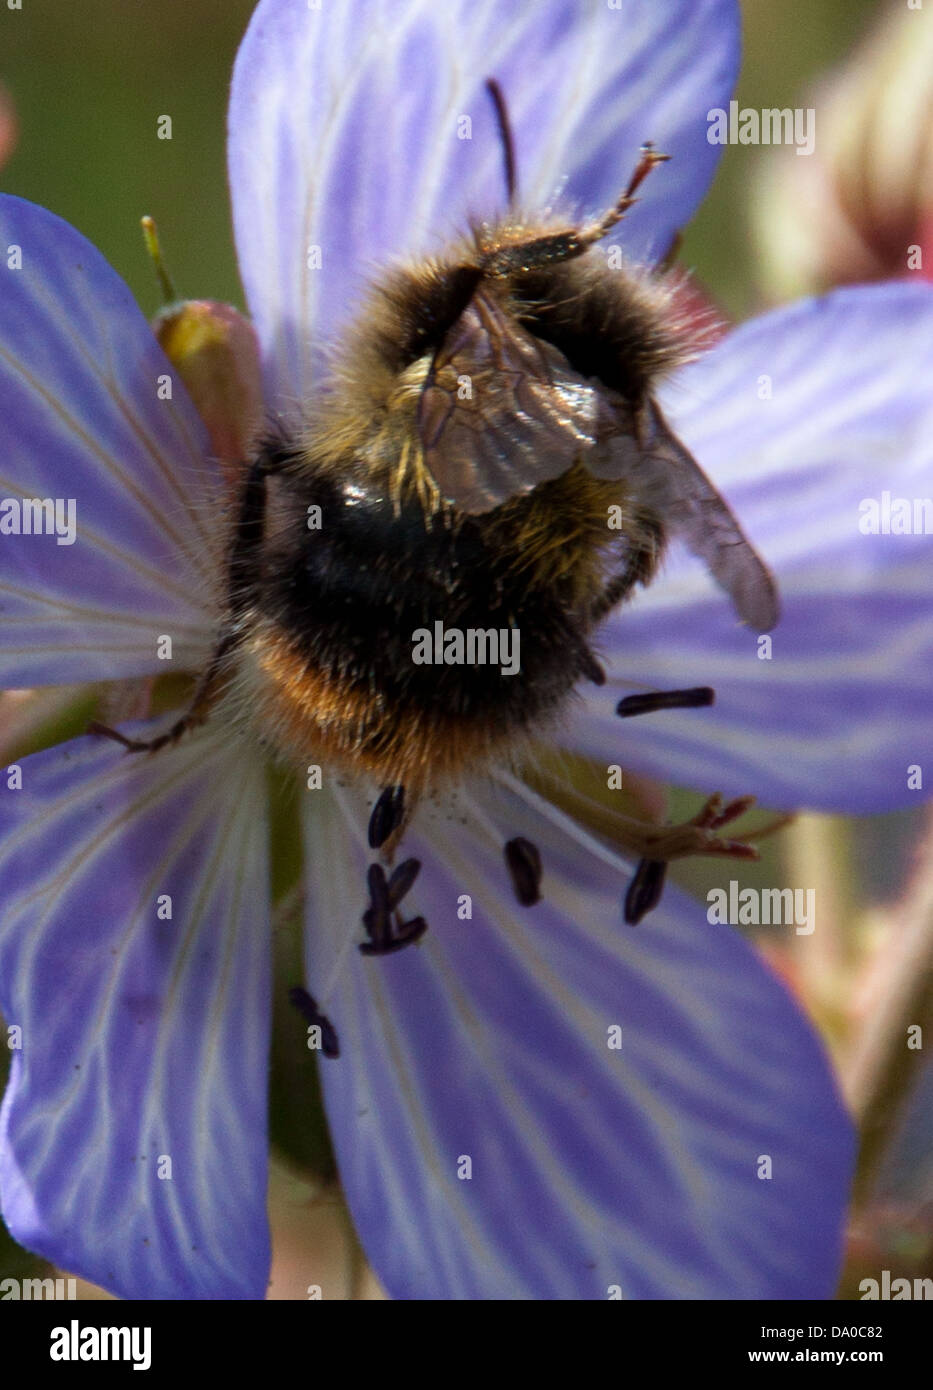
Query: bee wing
(501, 411)
(667, 478)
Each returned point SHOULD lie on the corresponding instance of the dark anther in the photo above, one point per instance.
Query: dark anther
(376, 917)
(385, 896)
(407, 934)
(696, 698)
(387, 816)
(378, 888)
(644, 891)
(402, 879)
(524, 864)
(307, 1007)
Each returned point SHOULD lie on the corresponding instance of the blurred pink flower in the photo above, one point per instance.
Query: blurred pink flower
(861, 207)
(9, 126)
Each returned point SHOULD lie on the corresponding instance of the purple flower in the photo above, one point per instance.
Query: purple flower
(134, 951)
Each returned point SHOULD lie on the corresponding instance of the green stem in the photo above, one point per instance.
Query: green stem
(883, 1070)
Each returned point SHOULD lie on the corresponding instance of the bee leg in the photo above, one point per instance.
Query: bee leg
(591, 668)
(204, 696)
(139, 745)
(649, 159)
(242, 584)
(585, 661)
(546, 250)
(639, 568)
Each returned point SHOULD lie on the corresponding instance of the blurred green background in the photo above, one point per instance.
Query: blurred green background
(91, 77)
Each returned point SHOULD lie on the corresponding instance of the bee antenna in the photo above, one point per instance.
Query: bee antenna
(505, 134)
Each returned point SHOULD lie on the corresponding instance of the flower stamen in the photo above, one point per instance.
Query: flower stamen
(698, 697)
(387, 815)
(523, 861)
(644, 891)
(306, 1005)
(382, 915)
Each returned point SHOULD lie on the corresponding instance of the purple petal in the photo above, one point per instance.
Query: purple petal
(842, 710)
(81, 419)
(592, 1167)
(346, 133)
(144, 1037)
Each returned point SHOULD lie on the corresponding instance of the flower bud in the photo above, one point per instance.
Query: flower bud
(217, 356)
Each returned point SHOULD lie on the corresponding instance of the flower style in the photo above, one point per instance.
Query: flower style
(134, 944)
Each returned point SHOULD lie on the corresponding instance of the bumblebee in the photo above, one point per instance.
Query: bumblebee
(489, 454)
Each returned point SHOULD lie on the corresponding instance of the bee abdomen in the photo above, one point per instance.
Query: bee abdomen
(405, 645)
